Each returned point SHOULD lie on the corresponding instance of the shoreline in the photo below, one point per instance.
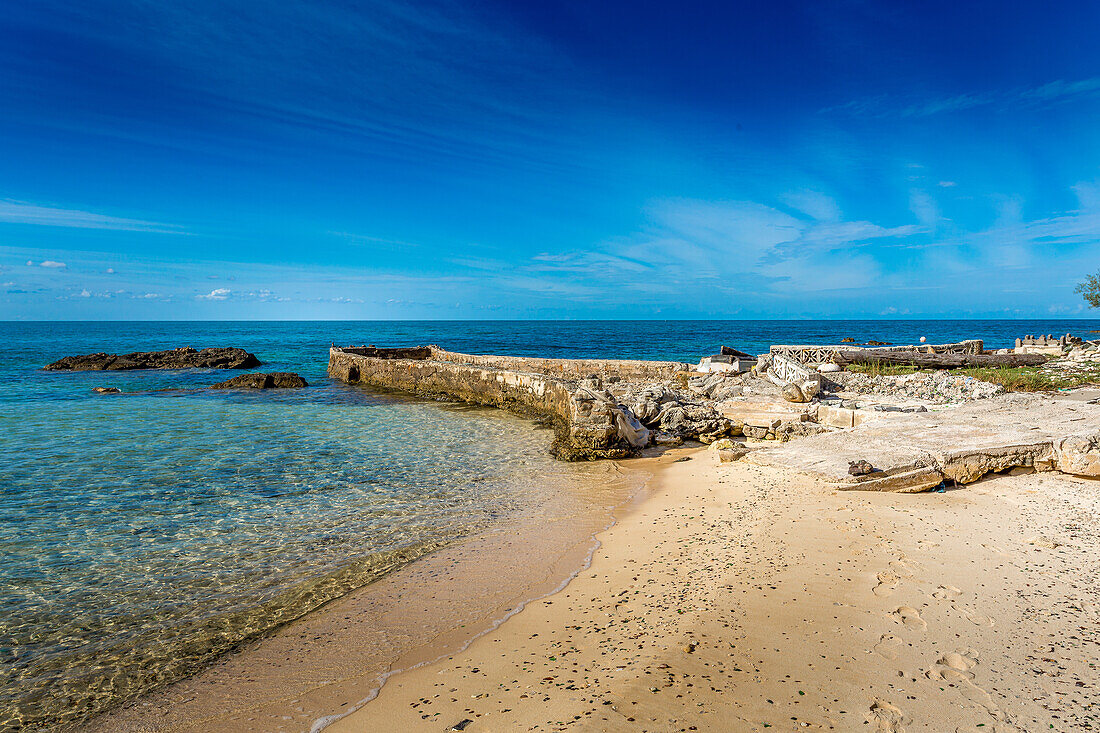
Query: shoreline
(338, 656)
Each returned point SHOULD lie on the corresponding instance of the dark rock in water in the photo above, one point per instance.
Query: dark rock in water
(273, 380)
(860, 468)
(185, 358)
(872, 342)
(106, 390)
(847, 340)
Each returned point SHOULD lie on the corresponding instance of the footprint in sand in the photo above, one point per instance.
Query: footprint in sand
(905, 567)
(910, 617)
(978, 619)
(954, 667)
(947, 593)
(888, 647)
(997, 550)
(886, 717)
(887, 582)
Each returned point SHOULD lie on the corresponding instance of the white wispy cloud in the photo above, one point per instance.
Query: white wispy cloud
(21, 212)
(813, 203)
(50, 264)
(216, 294)
(739, 248)
(896, 105)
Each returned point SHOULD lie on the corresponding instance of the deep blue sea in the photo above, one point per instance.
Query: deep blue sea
(143, 534)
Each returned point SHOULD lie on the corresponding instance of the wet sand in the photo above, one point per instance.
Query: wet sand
(336, 657)
(745, 598)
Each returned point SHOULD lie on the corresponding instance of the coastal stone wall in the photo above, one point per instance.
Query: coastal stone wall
(625, 369)
(587, 422)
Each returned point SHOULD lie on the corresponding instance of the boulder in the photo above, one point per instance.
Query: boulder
(1079, 455)
(259, 380)
(729, 451)
(860, 468)
(691, 420)
(791, 430)
(666, 439)
(601, 426)
(810, 388)
(756, 432)
(106, 390)
(183, 358)
(793, 393)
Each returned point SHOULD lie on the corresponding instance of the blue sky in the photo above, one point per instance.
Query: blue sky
(392, 159)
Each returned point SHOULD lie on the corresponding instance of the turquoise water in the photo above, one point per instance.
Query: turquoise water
(143, 534)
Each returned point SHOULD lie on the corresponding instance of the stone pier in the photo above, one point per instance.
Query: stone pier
(588, 422)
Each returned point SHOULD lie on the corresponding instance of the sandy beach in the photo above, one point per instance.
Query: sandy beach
(746, 598)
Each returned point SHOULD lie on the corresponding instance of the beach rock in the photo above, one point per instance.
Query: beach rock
(810, 388)
(709, 438)
(259, 380)
(829, 368)
(792, 430)
(106, 390)
(756, 432)
(599, 426)
(692, 420)
(183, 358)
(1079, 455)
(860, 468)
(647, 404)
(666, 440)
(793, 393)
(729, 451)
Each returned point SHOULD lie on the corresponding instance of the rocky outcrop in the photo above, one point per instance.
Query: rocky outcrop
(259, 380)
(183, 358)
(106, 390)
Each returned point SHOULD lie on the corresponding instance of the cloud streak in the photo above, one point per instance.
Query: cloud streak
(892, 105)
(20, 212)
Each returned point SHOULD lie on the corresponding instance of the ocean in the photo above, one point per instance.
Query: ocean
(144, 534)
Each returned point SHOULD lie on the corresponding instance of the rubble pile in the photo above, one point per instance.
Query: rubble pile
(938, 387)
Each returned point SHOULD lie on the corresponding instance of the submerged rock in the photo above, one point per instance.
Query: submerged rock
(272, 380)
(106, 390)
(221, 357)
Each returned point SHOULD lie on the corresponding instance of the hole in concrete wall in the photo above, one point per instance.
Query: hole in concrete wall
(353, 374)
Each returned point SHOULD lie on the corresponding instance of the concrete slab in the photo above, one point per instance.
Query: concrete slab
(916, 451)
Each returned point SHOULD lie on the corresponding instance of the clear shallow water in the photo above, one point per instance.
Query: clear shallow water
(143, 534)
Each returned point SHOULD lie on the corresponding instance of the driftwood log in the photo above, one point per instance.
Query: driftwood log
(937, 361)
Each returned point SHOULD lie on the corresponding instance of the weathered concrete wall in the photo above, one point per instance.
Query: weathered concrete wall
(627, 370)
(587, 423)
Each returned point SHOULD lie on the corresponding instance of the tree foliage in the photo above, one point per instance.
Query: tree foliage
(1090, 289)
